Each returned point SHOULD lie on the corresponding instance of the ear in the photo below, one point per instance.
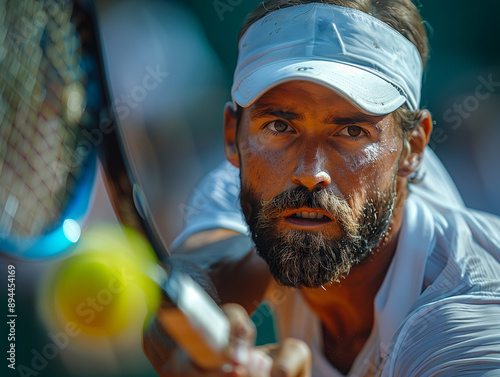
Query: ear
(230, 143)
(415, 144)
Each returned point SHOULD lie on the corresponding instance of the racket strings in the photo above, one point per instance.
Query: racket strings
(42, 100)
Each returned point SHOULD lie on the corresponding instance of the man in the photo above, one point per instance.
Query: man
(377, 275)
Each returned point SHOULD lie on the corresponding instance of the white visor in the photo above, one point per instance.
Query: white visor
(360, 57)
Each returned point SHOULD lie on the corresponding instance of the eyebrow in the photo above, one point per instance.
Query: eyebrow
(266, 110)
(357, 119)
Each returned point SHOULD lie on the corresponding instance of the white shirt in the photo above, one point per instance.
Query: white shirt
(437, 312)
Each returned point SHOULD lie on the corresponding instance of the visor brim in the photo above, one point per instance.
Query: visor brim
(368, 92)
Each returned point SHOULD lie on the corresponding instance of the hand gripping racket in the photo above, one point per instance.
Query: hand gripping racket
(54, 99)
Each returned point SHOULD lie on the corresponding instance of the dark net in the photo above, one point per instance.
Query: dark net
(43, 100)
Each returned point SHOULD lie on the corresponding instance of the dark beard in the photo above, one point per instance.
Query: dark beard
(311, 259)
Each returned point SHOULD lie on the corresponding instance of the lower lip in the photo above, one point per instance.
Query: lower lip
(306, 223)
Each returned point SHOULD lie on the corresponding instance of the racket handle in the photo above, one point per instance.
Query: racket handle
(194, 321)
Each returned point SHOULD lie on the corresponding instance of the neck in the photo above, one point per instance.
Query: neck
(346, 307)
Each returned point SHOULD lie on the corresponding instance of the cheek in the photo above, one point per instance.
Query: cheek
(371, 169)
(262, 169)
(375, 161)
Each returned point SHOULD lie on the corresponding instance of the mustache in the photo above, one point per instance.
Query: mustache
(322, 199)
(301, 196)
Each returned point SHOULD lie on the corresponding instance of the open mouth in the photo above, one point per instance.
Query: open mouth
(307, 217)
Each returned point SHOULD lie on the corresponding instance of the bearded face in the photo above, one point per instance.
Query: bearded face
(301, 258)
(319, 180)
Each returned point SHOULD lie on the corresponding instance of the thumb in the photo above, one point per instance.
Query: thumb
(292, 359)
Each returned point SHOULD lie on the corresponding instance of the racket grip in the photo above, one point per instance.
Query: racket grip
(194, 321)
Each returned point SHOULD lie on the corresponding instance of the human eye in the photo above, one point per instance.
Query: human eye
(277, 127)
(352, 132)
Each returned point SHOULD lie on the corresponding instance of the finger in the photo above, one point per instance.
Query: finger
(242, 335)
(180, 365)
(259, 364)
(292, 359)
(241, 326)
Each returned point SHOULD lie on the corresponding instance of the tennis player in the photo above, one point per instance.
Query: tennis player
(332, 209)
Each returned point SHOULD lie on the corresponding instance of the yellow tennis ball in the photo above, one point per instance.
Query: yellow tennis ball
(100, 287)
(91, 292)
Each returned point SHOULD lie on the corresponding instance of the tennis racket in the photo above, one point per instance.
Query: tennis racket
(55, 123)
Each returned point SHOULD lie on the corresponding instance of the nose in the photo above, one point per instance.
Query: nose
(311, 171)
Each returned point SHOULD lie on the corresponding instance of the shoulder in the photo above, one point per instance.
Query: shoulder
(465, 246)
(453, 329)
(456, 336)
(220, 188)
(213, 204)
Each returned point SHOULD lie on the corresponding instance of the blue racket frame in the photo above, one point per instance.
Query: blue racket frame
(59, 239)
